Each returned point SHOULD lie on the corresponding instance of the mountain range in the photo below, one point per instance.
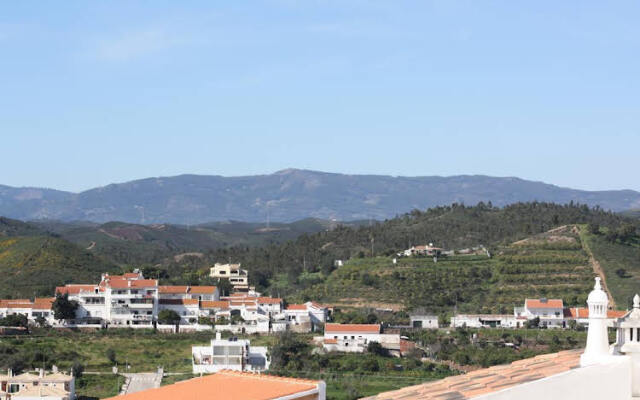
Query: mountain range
(286, 196)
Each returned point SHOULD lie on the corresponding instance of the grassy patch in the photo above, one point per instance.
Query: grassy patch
(614, 257)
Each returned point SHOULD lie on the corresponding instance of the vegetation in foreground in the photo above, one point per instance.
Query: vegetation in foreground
(348, 376)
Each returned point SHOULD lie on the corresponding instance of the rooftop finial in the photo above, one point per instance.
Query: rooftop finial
(597, 286)
(636, 301)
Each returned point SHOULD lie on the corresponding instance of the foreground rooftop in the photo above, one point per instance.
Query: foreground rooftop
(230, 385)
(488, 380)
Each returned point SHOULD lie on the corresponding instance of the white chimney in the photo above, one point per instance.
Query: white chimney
(597, 349)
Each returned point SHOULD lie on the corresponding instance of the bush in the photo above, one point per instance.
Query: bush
(168, 317)
(77, 369)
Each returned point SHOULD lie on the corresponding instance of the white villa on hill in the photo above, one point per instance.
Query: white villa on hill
(237, 276)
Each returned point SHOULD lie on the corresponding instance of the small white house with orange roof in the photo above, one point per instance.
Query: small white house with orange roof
(550, 311)
(39, 307)
(355, 338)
(305, 317)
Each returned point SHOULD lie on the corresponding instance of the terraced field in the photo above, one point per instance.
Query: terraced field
(552, 265)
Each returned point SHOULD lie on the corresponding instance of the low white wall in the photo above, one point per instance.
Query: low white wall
(611, 381)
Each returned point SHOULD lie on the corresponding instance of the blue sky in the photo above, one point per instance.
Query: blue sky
(98, 92)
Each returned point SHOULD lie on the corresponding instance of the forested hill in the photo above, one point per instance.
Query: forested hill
(13, 227)
(286, 196)
(452, 227)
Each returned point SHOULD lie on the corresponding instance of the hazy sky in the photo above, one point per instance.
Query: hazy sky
(99, 92)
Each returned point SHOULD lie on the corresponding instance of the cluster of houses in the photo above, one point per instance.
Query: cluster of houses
(41, 385)
(551, 313)
(130, 300)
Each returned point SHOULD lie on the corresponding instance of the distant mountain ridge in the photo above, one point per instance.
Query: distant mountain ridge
(286, 196)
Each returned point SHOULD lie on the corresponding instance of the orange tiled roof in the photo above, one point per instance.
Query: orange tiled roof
(214, 304)
(583, 312)
(330, 341)
(538, 303)
(172, 289)
(269, 300)
(43, 303)
(297, 307)
(488, 380)
(184, 302)
(37, 304)
(368, 328)
(226, 385)
(75, 289)
(202, 289)
(130, 275)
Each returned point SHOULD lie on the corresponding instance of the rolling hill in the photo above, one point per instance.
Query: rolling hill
(285, 196)
(134, 244)
(34, 265)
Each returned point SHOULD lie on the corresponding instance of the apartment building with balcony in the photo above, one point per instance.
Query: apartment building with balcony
(229, 354)
(237, 276)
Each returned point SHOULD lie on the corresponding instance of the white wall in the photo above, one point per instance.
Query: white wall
(611, 381)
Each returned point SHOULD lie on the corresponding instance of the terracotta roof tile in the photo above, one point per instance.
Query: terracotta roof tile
(488, 380)
(214, 304)
(544, 303)
(298, 307)
(202, 289)
(172, 289)
(226, 385)
(368, 328)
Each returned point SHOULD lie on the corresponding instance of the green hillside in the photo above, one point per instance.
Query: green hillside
(34, 265)
(620, 261)
(13, 227)
(133, 244)
(552, 265)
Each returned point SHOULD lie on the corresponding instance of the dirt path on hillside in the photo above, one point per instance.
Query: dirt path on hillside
(598, 270)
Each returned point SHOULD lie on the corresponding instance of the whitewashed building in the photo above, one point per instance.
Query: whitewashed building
(550, 312)
(484, 321)
(424, 321)
(355, 338)
(229, 354)
(237, 276)
(305, 317)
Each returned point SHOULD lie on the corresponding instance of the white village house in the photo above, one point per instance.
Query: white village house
(305, 317)
(355, 338)
(424, 321)
(229, 354)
